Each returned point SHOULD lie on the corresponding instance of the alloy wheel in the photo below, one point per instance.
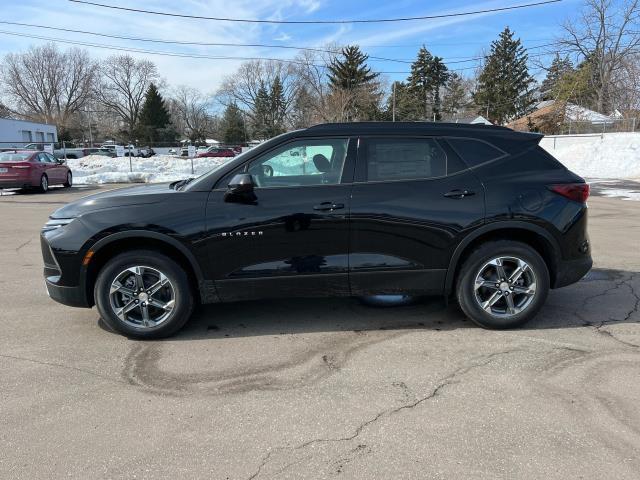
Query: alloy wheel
(505, 286)
(142, 297)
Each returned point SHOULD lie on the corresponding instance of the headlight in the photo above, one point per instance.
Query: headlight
(55, 223)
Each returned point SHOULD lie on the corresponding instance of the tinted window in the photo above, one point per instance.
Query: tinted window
(303, 162)
(42, 158)
(404, 159)
(474, 152)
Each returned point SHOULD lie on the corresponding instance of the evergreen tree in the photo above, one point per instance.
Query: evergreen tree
(154, 119)
(406, 107)
(232, 127)
(278, 108)
(504, 85)
(428, 75)
(558, 68)
(262, 114)
(455, 98)
(349, 71)
(353, 85)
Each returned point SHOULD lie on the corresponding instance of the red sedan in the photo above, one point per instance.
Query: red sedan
(29, 169)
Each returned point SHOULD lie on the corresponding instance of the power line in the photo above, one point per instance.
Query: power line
(217, 44)
(317, 22)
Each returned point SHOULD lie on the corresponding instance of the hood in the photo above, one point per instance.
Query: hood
(118, 197)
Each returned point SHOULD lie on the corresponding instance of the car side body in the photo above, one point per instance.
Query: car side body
(376, 223)
(28, 169)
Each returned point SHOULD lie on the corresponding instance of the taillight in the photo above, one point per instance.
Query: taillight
(578, 192)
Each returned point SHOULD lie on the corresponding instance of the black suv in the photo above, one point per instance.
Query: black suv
(481, 213)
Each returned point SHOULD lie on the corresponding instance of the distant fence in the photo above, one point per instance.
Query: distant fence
(551, 142)
(575, 127)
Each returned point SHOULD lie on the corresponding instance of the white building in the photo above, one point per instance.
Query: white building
(18, 133)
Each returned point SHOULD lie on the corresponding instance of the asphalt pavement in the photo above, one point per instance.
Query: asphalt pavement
(294, 389)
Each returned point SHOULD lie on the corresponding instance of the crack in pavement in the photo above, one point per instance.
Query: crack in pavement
(599, 327)
(442, 383)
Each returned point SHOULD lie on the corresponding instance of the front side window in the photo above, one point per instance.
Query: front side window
(299, 163)
(403, 159)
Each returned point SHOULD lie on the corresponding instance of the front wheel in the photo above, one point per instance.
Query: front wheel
(502, 284)
(143, 294)
(69, 181)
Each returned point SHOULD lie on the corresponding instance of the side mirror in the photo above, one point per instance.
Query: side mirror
(62, 161)
(241, 189)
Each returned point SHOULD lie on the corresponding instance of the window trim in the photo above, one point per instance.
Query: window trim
(446, 139)
(362, 165)
(348, 168)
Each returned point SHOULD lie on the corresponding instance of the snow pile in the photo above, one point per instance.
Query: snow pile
(160, 168)
(617, 155)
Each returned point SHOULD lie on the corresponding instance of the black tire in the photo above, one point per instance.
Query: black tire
(466, 292)
(69, 181)
(179, 281)
(44, 184)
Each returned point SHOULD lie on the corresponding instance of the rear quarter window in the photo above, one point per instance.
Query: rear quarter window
(475, 152)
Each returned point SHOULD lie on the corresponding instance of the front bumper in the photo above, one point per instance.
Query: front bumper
(571, 271)
(71, 296)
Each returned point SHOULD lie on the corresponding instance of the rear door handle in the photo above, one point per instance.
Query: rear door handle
(459, 193)
(328, 206)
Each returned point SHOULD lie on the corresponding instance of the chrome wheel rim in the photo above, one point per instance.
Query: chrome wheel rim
(69, 179)
(142, 297)
(43, 183)
(505, 286)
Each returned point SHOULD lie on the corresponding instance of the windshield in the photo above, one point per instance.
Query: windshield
(14, 157)
(193, 184)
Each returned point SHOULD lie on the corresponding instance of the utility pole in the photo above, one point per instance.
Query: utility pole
(393, 108)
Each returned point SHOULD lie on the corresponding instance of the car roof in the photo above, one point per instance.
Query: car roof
(417, 128)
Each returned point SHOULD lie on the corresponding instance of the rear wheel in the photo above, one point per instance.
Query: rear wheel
(143, 294)
(44, 184)
(502, 284)
(69, 181)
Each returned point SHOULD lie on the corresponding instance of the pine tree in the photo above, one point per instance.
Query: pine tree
(232, 127)
(428, 75)
(558, 68)
(262, 114)
(504, 85)
(406, 107)
(154, 118)
(349, 71)
(353, 85)
(278, 108)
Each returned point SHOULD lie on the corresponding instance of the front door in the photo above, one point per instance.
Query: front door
(293, 238)
(409, 210)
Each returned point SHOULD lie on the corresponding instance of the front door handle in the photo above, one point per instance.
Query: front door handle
(459, 193)
(328, 206)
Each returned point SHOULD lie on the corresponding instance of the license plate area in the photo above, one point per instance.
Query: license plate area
(4, 170)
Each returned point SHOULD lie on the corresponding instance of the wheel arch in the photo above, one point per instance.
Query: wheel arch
(533, 235)
(116, 243)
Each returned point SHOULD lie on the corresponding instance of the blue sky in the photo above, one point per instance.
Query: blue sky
(454, 39)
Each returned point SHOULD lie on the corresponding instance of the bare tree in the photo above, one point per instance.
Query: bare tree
(190, 112)
(47, 85)
(123, 85)
(243, 86)
(605, 34)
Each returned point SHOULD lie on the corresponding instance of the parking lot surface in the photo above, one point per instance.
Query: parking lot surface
(293, 389)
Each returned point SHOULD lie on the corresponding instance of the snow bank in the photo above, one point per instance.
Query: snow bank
(160, 168)
(617, 155)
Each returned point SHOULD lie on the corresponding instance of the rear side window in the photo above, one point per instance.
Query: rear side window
(475, 152)
(403, 159)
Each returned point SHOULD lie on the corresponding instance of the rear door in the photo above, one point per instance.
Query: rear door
(293, 240)
(51, 167)
(412, 202)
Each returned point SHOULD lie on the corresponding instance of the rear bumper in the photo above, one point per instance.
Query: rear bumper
(71, 296)
(571, 271)
(15, 183)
